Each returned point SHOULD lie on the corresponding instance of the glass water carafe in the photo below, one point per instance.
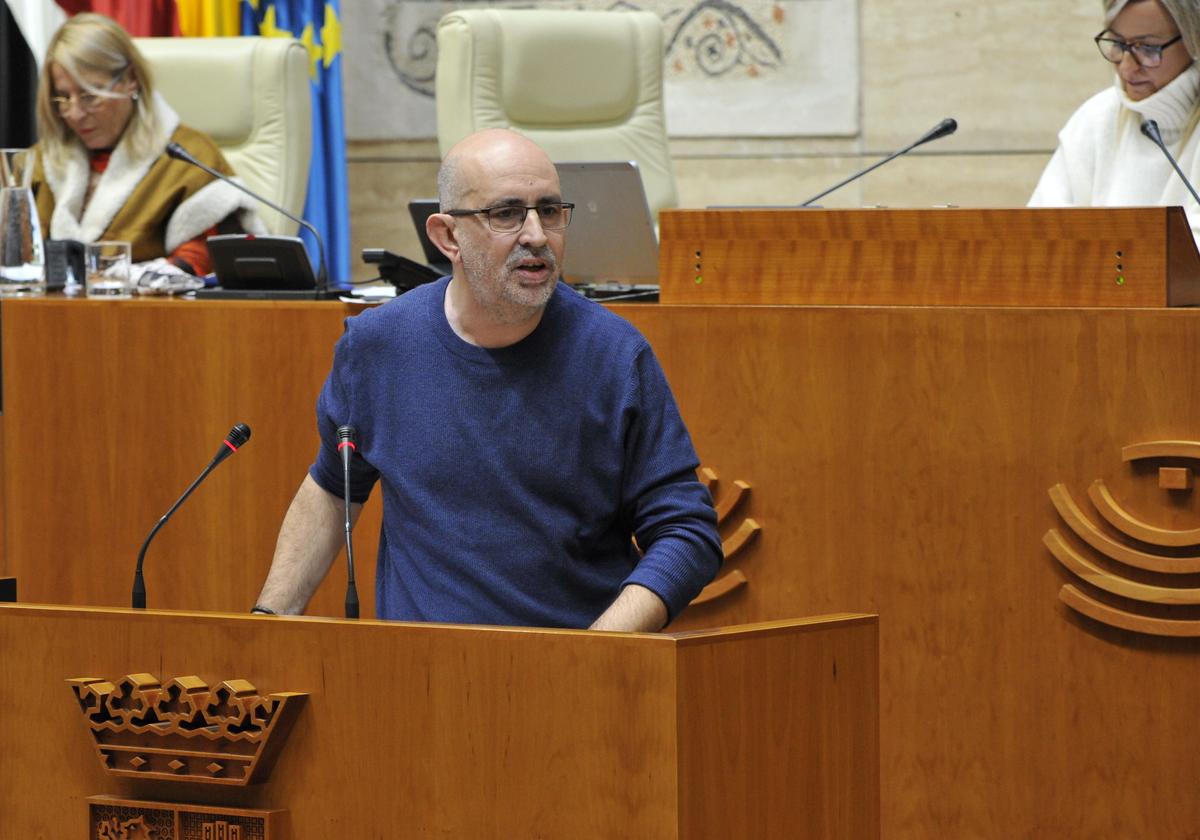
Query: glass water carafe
(22, 264)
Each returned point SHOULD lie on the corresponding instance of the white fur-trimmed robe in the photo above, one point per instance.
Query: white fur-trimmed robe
(153, 201)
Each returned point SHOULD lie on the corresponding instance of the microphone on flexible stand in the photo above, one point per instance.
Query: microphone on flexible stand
(1150, 129)
(237, 436)
(179, 153)
(943, 129)
(347, 448)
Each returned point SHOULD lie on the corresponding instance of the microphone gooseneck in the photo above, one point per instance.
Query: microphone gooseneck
(943, 129)
(177, 152)
(1150, 129)
(347, 447)
(237, 436)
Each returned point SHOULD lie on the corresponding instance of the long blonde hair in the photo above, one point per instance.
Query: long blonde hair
(93, 43)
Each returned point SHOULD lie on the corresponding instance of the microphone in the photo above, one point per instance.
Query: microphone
(1150, 129)
(237, 436)
(346, 446)
(179, 153)
(943, 129)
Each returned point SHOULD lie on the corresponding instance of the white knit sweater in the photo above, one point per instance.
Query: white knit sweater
(1104, 160)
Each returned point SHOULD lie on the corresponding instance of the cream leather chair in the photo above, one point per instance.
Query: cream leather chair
(251, 95)
(586, 86)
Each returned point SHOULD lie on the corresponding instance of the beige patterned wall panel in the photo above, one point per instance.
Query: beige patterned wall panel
(999, 180)
(705, 182)
(1010, 72)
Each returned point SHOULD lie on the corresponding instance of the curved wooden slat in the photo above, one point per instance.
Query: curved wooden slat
(1114, 617)
(737, 541)
(1087, 531)
(1161, 449)
(731, 500)
(708, 477)
(1101, 579)
(1127, 524)
(720, 587)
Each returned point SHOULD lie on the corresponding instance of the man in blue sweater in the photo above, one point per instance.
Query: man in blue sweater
(520, 433)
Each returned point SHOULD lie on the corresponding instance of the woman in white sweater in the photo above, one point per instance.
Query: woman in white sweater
(1103, 159)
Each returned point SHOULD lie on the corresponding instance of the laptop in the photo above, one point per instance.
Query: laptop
(611, 239)
(262, 268)
(421, 209)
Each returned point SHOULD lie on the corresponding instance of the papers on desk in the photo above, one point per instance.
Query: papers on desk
(377, 293)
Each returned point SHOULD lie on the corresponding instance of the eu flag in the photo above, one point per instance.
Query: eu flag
(317, 24)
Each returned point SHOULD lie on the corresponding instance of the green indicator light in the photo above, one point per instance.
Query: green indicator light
(1120, 279)
(699, 279)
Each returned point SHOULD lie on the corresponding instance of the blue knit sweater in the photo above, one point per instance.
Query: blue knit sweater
(513, 478)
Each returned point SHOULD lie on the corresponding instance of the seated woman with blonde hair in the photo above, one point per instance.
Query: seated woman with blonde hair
(103, 172)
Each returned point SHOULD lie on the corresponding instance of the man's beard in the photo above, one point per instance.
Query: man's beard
(503, 297)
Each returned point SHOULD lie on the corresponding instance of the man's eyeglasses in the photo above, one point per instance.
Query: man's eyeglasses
(510, 218)
(90, 102)
(1146, 55)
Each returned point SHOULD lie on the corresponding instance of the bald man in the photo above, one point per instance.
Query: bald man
(520, 433)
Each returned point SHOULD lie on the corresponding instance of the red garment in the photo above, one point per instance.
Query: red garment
(194, 254)
(98, 158)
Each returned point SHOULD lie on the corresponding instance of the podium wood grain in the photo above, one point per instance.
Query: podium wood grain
(115, 408)
(767, 731)
(1125, 257)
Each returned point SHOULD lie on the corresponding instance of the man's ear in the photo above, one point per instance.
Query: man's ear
(440, 229)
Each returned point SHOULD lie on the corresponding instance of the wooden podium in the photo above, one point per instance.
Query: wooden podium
(1125, 257)
(764, 731)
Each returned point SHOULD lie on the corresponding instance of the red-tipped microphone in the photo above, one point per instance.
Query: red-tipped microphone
(237, 436)
(347, 447)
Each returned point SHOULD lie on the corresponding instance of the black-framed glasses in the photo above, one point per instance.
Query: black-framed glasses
(510, 218)
(91, 102)
(1146, 55)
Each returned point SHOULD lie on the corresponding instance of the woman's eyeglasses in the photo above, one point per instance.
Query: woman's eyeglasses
(1146, 55)
(90, 102)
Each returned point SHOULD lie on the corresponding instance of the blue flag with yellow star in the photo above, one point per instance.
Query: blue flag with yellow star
(317, 24)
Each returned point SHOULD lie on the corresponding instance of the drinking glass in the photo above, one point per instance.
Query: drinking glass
(22, 262)
(107, 271)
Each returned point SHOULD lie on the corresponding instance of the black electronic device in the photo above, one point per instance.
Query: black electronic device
(64, 258)
(401, 272)
(264, 267)
(8, 590)
(347, 447)
(319, 289)
(420, 209)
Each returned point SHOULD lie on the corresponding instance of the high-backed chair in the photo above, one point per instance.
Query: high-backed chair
(583, 85)
(251, 95)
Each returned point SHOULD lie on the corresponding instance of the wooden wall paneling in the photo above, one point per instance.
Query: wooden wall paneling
(934, 257)
(426, 730)
(901, 461)
(133, 401)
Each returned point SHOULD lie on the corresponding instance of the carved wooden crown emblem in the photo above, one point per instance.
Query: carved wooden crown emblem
(185, 730)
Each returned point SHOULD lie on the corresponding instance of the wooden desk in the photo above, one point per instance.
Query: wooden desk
(899, 461)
